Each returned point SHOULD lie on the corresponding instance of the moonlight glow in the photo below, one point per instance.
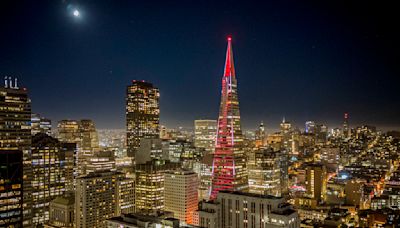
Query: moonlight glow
(76, 13)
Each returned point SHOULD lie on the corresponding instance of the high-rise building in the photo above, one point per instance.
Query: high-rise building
(142, 114)
(181, 195)
(205, 132)
(48, 175)
(11, 188)
(69, 131)
(70, 165)
(125, 196)
(265, 173)
(285, 149)
(204, 170)
(89, 137)
(239, 210)
(149, 190)
(84, 134)
(316, 181)
(40, 124)
(15, 156)
(229, 169)
(96, 198)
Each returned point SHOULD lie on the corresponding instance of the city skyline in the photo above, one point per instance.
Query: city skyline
(109, 114)
(88, 74)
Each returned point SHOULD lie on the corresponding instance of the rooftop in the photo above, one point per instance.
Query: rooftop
(251, 195)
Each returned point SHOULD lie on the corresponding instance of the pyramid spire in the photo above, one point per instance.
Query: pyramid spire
(229, 66)
(229, 171)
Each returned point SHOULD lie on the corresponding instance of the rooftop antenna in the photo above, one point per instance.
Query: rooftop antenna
(10, 82)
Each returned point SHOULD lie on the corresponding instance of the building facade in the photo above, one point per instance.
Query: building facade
(40, 124)
(265, 173)
(149, 190)
(246, 210)
(62, 211)
(96, 200)
(48, 175)
(84, 134)
(205, 132)
(69, 131)
(181, 195)
(316, 181)
(89, 137)
(15, 156)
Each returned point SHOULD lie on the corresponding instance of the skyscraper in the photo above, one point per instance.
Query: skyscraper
(149, 189)
(15, 156)
(48, 175)
(204, 134)
(265, 173)
(89, 137)
(142, 114)
(181, 194)
(70, 166)
(96, 199)
(316, 181)
(229, 163)
(285, 150)
(84, 134)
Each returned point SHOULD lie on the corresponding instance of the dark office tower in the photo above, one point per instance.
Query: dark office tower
(229, 163)
(48, 175)
(15, 156)
(142, 114)
(346, 125)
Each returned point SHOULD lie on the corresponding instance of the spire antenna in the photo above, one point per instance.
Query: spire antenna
(229, 66)
(10, 82)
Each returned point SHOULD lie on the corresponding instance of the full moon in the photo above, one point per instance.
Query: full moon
(76, 13)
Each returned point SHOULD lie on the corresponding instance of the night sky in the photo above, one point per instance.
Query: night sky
(305, 60)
